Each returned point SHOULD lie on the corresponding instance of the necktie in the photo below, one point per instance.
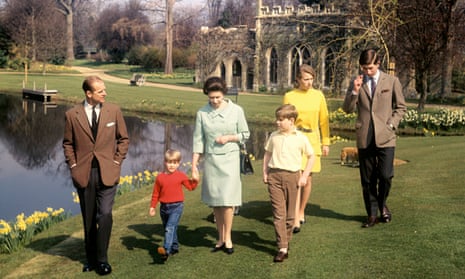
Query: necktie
(373, 86)
(94, 122)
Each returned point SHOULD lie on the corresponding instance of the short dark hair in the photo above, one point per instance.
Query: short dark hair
(214, 84)
(286, 111)
(89, 81)
(368, 57)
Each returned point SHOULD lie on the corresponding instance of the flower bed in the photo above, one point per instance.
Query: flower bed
(14, 236)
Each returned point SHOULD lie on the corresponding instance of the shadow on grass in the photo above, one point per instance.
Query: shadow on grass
(62, 245)
(199, 237)
(261, 211)
(186, 237)
(317, 211)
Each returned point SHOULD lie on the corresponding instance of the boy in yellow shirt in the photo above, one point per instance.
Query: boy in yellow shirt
(284, 151)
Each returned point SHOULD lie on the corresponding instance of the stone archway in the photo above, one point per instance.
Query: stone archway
(223, 71)
(236, 74)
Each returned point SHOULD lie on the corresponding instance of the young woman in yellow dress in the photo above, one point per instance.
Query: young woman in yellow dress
(313, 121)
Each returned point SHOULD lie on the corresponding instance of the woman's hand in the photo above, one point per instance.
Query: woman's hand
(325, 150)
(225, 139)
(195, 173)
(302, 180)
(152, 211)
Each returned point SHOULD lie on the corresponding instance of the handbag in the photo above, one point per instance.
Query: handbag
(246, 165)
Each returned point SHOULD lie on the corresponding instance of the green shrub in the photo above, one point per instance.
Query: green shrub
(152, 59)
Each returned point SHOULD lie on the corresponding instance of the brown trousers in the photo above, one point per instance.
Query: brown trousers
(282, 187)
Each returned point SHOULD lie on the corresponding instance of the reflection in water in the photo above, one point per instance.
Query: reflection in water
(33, 172)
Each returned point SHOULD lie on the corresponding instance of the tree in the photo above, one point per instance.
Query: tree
(85, 18)
(214, 11)
(186, 23)
(450, 14)
(169, 36)
(67, 8)
(120, 29)
(35, 28)
(238, 12)
(425, 37)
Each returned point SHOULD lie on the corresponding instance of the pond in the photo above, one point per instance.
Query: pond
(33, 172)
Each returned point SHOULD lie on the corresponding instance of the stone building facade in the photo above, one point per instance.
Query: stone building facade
(267, 57)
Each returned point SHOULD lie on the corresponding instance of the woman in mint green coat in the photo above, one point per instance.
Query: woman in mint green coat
(219, 128)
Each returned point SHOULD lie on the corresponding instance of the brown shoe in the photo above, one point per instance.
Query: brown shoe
(162, 252)
(370, 222)
(280, 257)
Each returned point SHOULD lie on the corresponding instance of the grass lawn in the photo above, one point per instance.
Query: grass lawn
(424, 240)
(177, 104)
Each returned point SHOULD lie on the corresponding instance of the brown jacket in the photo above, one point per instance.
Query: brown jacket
(385, 109)
(109, 148)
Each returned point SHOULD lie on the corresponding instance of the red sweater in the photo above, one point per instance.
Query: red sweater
(168, 187)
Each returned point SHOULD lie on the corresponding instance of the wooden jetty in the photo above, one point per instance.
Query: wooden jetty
(42, 95)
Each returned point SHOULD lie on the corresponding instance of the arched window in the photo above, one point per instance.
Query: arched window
(306, 57)
(237, 74)
(273, 66)
(299, 55)
(329, 68)
(295, 63)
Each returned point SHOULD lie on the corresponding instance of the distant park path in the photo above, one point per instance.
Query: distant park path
(106, 77)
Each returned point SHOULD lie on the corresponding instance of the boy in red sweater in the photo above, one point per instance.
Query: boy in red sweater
(168, 191)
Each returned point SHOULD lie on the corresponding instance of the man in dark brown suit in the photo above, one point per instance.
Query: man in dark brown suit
(380, 104)
(95, 144)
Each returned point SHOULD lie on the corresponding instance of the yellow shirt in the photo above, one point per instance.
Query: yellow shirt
(313, 114)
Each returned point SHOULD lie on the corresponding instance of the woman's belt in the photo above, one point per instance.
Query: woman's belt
(302, 129)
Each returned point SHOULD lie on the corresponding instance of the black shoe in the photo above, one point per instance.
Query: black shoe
(103, 268)
(87, 267)
(211, 218)
(229, 251)
(386, 216)
(174, 251)
(370, 222)
(296, 230)
(217, 248)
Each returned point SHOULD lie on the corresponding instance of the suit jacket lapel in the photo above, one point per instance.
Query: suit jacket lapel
(365, 86)
(103, 119)
(81, 117)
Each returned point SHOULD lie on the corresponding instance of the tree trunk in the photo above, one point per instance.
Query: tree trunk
(446, 71)
(421, 87)
(69, 37)
(169, 37)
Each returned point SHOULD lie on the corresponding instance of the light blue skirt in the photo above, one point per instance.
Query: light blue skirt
(221, 182)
